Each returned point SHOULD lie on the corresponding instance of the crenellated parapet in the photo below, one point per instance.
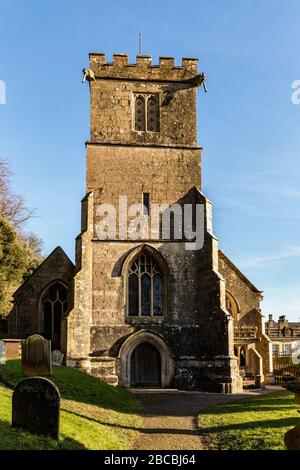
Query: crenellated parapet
(143, 69)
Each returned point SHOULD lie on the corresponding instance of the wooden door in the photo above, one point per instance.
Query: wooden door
(145, 366)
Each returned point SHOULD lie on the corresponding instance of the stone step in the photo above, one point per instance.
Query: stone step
(109, 379)
(103, 371)
(102, 361)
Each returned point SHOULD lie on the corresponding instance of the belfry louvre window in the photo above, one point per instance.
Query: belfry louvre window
(145, 288)
(146, 112)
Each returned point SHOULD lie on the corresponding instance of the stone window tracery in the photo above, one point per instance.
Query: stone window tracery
(54, 306)
(145, 287)
(146, 112)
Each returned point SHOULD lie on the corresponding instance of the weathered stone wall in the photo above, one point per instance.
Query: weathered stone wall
(247, 296)
(195, 325)
(166, 173)
(165, 164)
(112, 100)
(25, 318)
(80, 317)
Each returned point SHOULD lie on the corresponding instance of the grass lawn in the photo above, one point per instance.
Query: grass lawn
(94, 415)
(250, 424)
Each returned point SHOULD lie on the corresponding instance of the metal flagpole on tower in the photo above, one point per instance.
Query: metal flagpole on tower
(140, 43)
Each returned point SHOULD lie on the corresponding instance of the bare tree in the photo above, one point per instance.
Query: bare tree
(12, 206)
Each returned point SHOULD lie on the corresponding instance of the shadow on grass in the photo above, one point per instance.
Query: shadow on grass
(77, 386)
(191, 432)
(274, 423)
(22, 439)
(273, 402)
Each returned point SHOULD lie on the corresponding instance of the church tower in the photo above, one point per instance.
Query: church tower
(148, 310)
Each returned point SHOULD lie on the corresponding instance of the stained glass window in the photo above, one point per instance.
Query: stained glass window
(145, 287)
(145, 295)
(133, 289)
(157, 295)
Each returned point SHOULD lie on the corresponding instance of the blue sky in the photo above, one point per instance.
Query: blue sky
(247, 124)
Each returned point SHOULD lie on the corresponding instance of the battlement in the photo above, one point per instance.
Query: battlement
(143, 69)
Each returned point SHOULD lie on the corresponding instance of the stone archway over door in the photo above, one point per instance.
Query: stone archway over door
(167, 365)
(145, 367)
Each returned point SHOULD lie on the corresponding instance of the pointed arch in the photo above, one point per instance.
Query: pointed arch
(145, 273)
(54, 304)
(144, 336)
(232, 306)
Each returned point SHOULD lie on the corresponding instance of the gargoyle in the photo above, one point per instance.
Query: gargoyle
(200, 80)
(88, 75)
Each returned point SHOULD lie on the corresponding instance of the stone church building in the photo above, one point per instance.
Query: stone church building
(146, 312)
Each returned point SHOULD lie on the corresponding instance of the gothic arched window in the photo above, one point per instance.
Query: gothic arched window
(54, 306)
(145, 287)
(146, 112)
(152, 114)
(140, 113)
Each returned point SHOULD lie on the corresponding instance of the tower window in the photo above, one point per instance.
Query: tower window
(146, 112)
(140, 121)
(146, 203)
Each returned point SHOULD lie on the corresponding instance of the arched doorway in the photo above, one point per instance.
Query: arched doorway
(165, 362)
(145, 366)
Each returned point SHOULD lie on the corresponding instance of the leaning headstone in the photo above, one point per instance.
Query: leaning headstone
(36, 405)
(2, 352)
(36, 356)
(57, 358)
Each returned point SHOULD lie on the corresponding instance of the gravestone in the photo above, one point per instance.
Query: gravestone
(2, 352)
(292, 438)
(36, 406)
(57, 357)
(36, 356)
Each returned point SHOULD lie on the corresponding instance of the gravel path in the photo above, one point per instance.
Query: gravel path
(170, 417)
